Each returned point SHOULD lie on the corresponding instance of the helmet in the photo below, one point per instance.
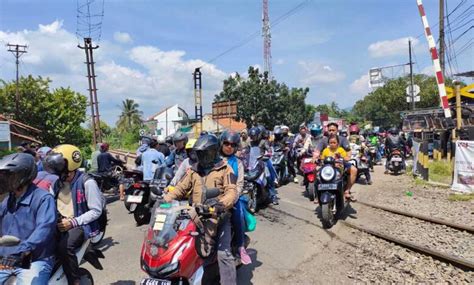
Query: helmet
(203, 133)
(265, 134)
(343, 132)
(43, 151)
(393, 131)
(230, 137)
(285, 129)
(16, 170)
(146, 140)
(255, 134)
(302, 126)
(207, 151)
(169, 140)
(354, 129)
(179, 136)
(190, 144)
(69, 153)
(105, 147)
(278, 134)
(316, 130)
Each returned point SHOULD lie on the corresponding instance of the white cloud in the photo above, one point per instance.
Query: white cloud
(123, 38)
(360, 86)
(391, 47)
(315, 73)
(159, 78)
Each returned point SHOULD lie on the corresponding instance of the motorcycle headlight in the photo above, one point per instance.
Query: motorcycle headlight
(327, 173)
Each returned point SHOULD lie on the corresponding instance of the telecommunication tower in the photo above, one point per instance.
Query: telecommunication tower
(267, 53)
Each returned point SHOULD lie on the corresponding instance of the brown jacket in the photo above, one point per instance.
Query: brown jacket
(221, 177)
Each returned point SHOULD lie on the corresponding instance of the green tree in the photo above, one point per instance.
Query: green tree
(58, 114)
(264, 101)
(130, 116)
(383, 106)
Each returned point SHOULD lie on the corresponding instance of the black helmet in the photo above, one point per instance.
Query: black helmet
(207, 151)
(179, 136)
(203, 133)
(55, 163)
(255, 134)
(265, 134)
(393, 131)
(146, 140)
(169, 140)
(278, 134)
(230, 137)
(16, 170)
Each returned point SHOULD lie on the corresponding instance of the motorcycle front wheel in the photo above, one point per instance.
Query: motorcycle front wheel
(142, 215)
(328, 218)
(86, 277)
(310, 191)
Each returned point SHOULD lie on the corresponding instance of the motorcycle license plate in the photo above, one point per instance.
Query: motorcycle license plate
(331, 186)
(152, 281)
(134, 199)
(307, 160)
(399, 159)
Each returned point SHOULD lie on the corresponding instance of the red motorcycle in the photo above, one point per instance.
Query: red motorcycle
(169, 254)
(308, 169)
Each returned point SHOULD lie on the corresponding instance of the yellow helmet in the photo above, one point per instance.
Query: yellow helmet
(190, 143)
(71, 154)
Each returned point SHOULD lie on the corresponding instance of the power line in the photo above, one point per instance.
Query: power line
(457, 7)
(250, 37)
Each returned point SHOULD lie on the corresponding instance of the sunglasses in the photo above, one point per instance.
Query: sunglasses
(230, 144)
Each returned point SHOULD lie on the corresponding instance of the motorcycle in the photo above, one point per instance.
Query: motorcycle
(146, 193)
(280, 164)
(170, 253)
(308, 169)
(130, 177)
(331, 184)
(103, 221)
(255, 186)
(396, 161)
(111, 179)
(360, 161)
(58, 277)
(372, 156)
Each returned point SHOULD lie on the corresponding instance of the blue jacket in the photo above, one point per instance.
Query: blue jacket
(32, 220)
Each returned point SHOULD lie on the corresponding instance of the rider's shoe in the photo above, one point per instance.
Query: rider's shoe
(244, 256)
(295, 180)
(275, 200)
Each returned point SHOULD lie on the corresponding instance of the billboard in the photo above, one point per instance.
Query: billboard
(224, 110)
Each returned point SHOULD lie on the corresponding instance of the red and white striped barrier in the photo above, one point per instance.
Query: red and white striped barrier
(434, 56)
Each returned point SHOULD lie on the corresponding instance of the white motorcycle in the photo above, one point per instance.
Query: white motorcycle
(58, 277)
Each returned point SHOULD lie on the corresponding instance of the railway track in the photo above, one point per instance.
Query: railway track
(462, 263)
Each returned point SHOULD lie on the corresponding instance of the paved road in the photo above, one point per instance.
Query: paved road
(288, 247)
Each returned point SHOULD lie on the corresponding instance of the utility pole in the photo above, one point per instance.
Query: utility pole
(197, 101)
(441, 36)
(412, 86)
(267, 53)
(17, 51)
(88, 48)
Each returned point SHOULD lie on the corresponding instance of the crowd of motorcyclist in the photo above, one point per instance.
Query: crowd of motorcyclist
(53, 207)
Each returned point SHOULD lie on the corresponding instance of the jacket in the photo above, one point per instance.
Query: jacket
(221, 176)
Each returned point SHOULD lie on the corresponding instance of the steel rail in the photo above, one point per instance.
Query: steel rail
(458, 262)
(420, 217)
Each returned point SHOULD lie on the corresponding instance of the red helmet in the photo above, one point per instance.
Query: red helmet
(104, 147)
(354, 129)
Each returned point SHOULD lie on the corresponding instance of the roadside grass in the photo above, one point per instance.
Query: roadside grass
(440, 171)
(461, 197)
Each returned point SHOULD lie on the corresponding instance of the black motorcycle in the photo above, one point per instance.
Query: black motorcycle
(331, 185)
(129, 178)
(110, 179)
(145, 194)
(280, 163)
(255, 184)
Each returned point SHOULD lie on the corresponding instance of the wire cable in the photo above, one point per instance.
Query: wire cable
(250, 37)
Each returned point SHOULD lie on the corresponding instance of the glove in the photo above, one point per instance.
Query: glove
(202, 210)
(218, 208)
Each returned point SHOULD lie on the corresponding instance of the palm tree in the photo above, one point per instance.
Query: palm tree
(130, 116)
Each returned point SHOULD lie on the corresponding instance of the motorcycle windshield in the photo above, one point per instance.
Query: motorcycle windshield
(163, 221)
(253, 157)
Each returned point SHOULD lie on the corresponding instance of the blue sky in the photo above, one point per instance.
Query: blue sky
(149, 49)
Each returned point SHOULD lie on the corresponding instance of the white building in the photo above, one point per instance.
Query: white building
(168, 120)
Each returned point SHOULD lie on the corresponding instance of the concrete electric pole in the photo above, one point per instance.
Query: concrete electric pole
(17, 51)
